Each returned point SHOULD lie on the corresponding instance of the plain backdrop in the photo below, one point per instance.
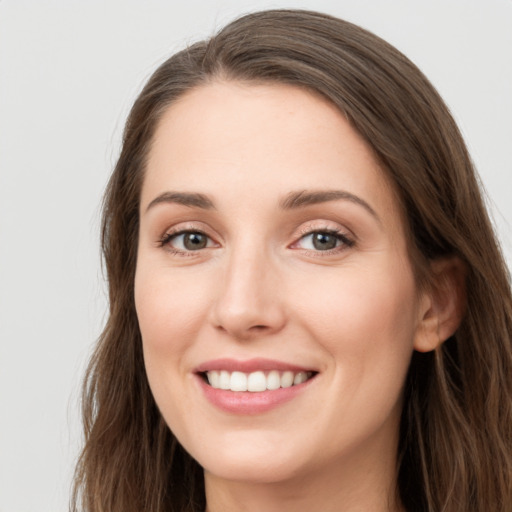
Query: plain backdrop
(69, 71)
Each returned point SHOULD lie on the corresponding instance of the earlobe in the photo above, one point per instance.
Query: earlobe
(443, 306)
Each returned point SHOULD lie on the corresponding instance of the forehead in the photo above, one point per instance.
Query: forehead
(260, 141)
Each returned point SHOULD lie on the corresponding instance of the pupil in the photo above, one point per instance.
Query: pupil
(194, 241)
(324, 241)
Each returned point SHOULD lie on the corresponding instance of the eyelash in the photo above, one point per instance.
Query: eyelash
(165, 241)
(346, 241)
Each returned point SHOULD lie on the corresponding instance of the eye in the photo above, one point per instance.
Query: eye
(324, 240)
(184, 241)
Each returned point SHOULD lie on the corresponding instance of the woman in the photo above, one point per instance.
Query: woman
(308, 306)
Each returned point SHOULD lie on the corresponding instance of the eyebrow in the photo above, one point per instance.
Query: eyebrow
(291, 201)
(191, 199)
(305, 198)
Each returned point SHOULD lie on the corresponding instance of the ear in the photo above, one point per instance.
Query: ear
(442, 306)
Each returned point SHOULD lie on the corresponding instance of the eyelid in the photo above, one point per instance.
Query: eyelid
(185, 227)
(182, 229)
(170, 235)
(341, 236)
(346, 238)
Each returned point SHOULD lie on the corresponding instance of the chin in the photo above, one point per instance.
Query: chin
(253, 471)
(255, 462)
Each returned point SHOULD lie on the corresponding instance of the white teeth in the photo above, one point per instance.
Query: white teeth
(300, 378)
(273, 380)
(213, 379)
(238, 381)
(256, 381)
(224, 379)
(287, 380)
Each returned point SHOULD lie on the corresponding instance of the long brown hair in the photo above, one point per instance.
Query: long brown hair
(455, 452)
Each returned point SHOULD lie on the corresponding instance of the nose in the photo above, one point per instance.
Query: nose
(248, 304)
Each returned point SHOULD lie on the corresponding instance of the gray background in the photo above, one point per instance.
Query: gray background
(69, 71)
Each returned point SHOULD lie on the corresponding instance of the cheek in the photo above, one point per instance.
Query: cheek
(170, 312)
(365, 323)
(167, 308)
(365, 320)
(353, 301)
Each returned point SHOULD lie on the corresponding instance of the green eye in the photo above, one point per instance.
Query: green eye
(194, 241)
(324, 241)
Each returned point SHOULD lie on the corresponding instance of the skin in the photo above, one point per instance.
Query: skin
(260, 288)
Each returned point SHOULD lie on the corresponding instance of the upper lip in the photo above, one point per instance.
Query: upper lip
(249, 365)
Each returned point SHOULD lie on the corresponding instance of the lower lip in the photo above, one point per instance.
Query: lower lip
(247, 402)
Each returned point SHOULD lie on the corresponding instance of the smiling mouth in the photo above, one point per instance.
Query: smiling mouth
(257, 381)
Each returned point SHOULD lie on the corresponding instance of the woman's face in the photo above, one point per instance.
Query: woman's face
(271, 251)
